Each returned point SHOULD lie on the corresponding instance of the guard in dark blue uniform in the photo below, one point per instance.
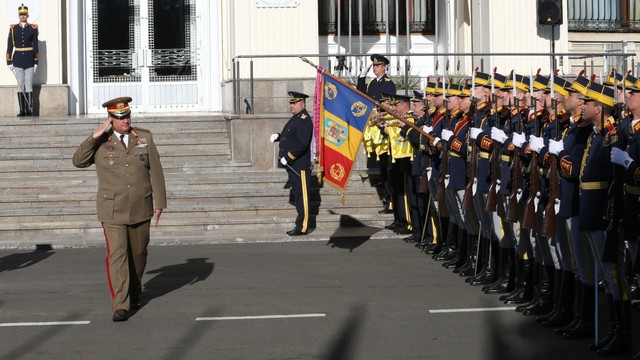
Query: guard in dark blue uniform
(295, 156)
(22, 58)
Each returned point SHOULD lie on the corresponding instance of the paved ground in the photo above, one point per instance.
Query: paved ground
(357, 299)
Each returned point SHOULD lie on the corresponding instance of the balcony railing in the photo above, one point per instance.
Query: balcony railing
(374, 16)
(604, 15)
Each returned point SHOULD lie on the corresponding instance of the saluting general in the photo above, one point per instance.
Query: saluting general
(130, 181)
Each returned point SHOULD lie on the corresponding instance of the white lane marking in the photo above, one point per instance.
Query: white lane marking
(50, 323)
(444, 311)
(259, 317)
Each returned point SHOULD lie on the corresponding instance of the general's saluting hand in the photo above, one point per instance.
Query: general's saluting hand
(102, 129)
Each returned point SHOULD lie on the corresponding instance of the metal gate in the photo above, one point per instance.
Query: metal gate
(146, 49)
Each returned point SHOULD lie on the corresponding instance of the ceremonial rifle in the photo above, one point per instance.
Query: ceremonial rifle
(615, 203)
(423, 183)
(549, 218)
(492, 195)
(444, 155)
(467, 199)
(529, 216)
(512, 213)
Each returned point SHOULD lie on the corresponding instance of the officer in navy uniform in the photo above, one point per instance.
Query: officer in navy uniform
(382, 82)
(295, 156)
(22, 58)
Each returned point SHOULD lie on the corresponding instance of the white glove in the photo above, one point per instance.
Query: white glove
(427, 129)
(283, 161)
(620, 157)
(274, 137)
(536, 143)
(518, 139)
(365, 71)
(446, 134)
(10, 67)
(35, 67)
(474, 132)
(436, 140)
(498, 135)
(555, 147)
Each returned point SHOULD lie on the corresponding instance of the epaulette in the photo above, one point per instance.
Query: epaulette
(432, 110)
(442, 110)
(303, 116)
(635, 127)
(514, 111)
(35, 26)
(456, 113)
(482, 105)
(141, 129)
(460, 125)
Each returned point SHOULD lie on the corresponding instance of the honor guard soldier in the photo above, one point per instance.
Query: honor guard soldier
(596, 173)
(22, 58)
(130, 181)
(295, 156)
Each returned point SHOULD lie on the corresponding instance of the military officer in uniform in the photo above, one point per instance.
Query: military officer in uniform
(22, 58)
(375, 89)
(130, 178)
(295, 156)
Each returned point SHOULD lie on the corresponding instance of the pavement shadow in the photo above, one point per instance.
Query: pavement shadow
(343, 344)
(351, 233)
(173, 277)
(22, 260)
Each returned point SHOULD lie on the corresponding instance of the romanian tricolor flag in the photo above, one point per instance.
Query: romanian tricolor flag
(344, 112)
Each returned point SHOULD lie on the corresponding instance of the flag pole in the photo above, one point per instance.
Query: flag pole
(377, 103)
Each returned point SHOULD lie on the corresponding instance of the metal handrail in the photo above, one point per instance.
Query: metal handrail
(236, 64)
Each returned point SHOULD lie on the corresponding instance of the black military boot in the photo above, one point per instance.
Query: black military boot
(621, 341)
(577, 303)
(546, 288)
(564, 310)
(557, 283)
(506, 275)
(525, 294)
(532, 287)
(612, 326)
(22, 104)
(518, 282)
(436, 247)
(462, 250)
(29, 104)
(585, 326)
(487, 274)
(449, 250)
(468, 263)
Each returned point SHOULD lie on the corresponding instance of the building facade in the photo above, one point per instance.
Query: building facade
(234, 56)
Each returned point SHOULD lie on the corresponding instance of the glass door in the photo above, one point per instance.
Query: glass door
(146, 49)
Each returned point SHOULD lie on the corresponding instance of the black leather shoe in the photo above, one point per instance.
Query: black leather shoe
(582, 330)
(411, 238)
(296, 232)
(403, 231)
(385, 211)
(136, 305)
(394, 225)
(120, 315)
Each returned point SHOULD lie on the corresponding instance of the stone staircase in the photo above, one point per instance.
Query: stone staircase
(44, 199)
